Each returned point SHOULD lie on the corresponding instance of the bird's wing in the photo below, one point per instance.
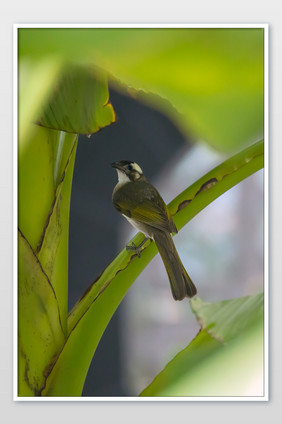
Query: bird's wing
(146, 206)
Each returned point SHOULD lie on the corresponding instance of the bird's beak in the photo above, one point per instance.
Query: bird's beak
(117, 165)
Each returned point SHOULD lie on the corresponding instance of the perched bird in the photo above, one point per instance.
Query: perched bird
(142, 205)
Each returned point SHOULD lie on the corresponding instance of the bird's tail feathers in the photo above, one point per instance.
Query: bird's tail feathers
(180, 282)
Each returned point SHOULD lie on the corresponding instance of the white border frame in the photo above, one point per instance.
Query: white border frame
(266, 217)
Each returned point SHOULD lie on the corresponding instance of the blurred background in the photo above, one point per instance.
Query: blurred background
(221, 248)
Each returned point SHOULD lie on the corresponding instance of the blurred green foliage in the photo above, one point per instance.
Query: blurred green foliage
(80, 103)
(213, 77)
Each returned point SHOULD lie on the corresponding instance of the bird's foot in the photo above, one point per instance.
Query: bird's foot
(136, 249)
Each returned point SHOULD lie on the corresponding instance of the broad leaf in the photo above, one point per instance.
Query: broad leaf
(45, 177)
(52, 250)
(37, 185)
(226, 357)
(80, 102)
(40, 328)
(35, 82)
(213, 77)
(225, 320)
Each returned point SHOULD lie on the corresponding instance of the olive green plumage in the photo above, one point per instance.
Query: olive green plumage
(180, 283)
(145, 209)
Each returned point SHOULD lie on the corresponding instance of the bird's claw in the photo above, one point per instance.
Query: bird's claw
(133, 248)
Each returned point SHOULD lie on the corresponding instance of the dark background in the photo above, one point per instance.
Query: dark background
(149, 138)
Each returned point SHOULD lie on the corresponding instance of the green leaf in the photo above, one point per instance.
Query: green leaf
(36, 79)
(52, 250)
(213, 77)
(226, 357)
(40, 328)
(225, 320)
(36, 181)
(97, 305)
(80, 102)
(45, 178)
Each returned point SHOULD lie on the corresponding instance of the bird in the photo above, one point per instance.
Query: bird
(142, 205)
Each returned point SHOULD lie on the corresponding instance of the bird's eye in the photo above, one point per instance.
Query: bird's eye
(130, 167)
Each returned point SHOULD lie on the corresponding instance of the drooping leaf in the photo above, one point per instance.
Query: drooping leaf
(212, 76)
(225, 358)
(35, 82)
(39, 323)
(82, 98)
(80, 102)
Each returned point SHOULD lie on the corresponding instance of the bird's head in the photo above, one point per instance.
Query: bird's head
(127, 171)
